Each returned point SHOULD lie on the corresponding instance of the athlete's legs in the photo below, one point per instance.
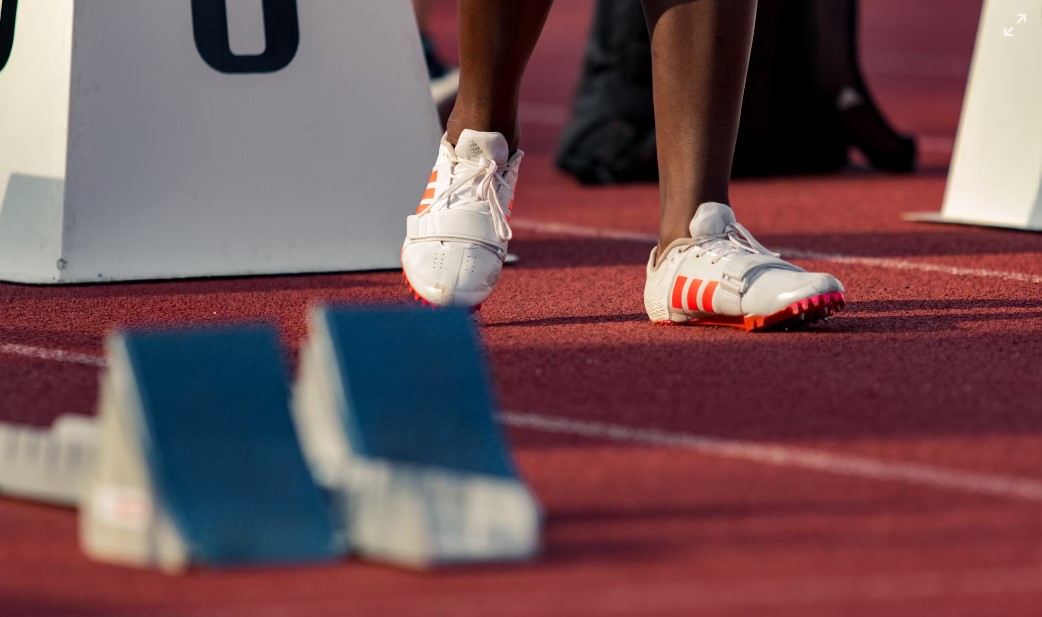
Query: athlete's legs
(456, 242)
(707, 268)
(700, 55)
(496, 40)
(720, 275)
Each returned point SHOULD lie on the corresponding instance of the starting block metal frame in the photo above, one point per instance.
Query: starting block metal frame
(192, 138)
(996, 173)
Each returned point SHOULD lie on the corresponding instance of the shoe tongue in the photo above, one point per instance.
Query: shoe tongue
(473, 146)
(711, 219)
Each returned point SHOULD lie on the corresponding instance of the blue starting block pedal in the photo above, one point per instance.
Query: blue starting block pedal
(396, 412)
(198, 461)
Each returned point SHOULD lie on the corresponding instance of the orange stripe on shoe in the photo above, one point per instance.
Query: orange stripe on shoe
(434, 177)
(692, 294)
(428, 194)
(707, 296)
(678, 292)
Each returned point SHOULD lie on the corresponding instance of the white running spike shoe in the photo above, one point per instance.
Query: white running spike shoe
(457, 240)
(722, 276)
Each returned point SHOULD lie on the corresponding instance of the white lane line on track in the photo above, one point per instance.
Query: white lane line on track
(549, 227)
(44, 353)
(1010, 487)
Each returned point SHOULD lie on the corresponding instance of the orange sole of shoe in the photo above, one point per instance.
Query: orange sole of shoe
(793, 317)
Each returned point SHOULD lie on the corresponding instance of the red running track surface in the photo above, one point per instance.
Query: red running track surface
(887, 464)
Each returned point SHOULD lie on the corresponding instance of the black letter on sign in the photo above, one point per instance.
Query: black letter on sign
(281, 33)
(7, 14)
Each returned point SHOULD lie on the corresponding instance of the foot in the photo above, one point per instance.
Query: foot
(457, 240)
(722, 276)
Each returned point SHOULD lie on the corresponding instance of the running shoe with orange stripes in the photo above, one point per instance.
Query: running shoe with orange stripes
(456, 242)
(721, 276)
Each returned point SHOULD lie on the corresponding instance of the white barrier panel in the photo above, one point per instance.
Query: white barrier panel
(996, 172)
(181, 138)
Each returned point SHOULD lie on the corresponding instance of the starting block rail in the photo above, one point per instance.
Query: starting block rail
(47, 465)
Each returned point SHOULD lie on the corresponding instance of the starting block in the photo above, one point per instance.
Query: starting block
(197, 459)
(191, 138)
(395, 410)
(391, 449)
(996, 172)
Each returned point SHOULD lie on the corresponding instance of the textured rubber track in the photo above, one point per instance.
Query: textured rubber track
(923, 368)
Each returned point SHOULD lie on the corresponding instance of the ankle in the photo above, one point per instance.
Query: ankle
(667, 237)
(665, 245)
(460, 121)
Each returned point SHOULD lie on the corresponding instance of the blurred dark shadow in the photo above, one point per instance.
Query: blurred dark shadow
(932, 241)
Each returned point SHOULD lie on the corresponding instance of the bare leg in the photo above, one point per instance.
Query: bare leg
(496, 41)
(700, 55)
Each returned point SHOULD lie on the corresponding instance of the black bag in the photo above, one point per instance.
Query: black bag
(805, 101)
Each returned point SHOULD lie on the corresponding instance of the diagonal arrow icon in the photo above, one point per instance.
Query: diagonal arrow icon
(1022, 18)
(1007, 31)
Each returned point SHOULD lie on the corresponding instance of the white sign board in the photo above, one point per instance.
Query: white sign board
(996, 172)
(154, 139)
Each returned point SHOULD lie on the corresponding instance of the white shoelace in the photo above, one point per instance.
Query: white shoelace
(492, 178)
(735, 239)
